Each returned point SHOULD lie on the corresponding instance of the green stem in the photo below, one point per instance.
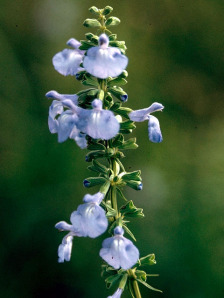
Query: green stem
(103, 85)
(114, 198)
(101, 19)
(136, 289)
(114, 189)
(134, 283)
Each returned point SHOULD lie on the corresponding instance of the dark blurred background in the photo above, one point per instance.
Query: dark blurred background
(175, 51)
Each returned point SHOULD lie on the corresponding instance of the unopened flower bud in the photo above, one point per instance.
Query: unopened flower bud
(94, 10)
(93, 23)
(107, 10)
(112, 21)
(124, 98)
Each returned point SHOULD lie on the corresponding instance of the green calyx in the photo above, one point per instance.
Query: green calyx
(129, 210)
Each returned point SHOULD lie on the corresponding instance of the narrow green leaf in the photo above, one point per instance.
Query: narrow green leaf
(112, 227)
(129, 232)
(148, 286)
(121, 194)
(131, 288)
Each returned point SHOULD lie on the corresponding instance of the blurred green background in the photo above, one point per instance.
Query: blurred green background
(175, 51)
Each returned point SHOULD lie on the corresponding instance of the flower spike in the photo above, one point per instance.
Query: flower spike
(97, 121)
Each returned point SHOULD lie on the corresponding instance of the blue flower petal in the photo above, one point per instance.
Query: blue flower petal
(104, 62)
(81, 141)
(143, 114)
(97, 104)
(54, 94)
(139, 115)
(155, 107)
(67, 62)
(102, 125)
(63, 226)
(96, 198)
(119, 251)
(56, 108)
(89, 220)
(79, 138)
(155, 134)
(103, 41)
(66, 123)
(65, 249)
(98, 123)
(72, 42)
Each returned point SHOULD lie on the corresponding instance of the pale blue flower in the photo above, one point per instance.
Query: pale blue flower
(100, 124)
(63, 122)
(104, 61)
(155, 134)
(117, 294)
(56, 108)
(119, 251)
(89, 220)
(67, 62)
(67, 126)
(70, 121)
(65, 249)
(97, 123)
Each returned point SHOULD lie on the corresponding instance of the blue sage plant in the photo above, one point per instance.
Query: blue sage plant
(96, 120)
